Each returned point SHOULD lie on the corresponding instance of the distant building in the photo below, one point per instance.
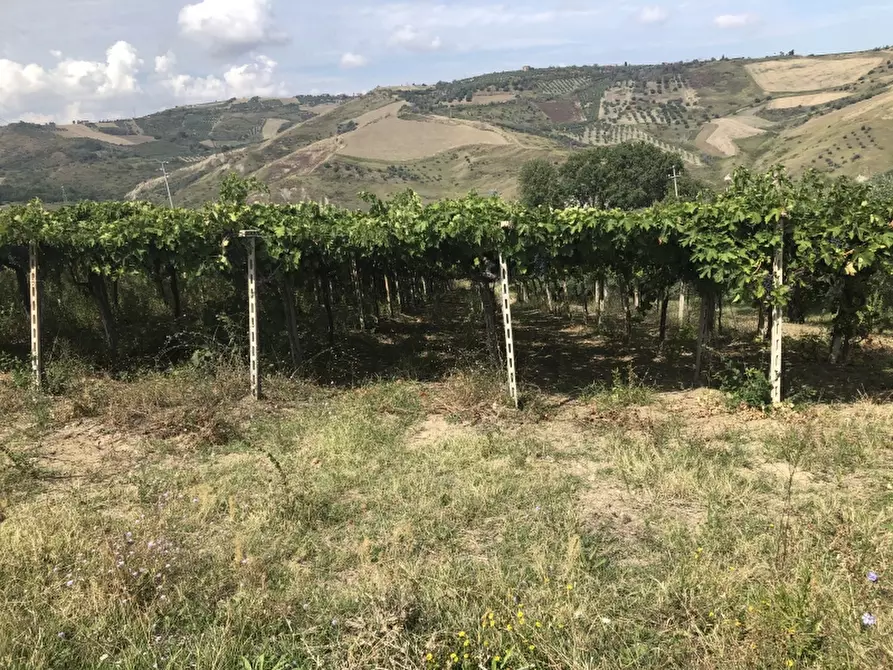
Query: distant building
(526, 68)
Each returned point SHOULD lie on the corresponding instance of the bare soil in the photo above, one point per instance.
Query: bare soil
(563, 111)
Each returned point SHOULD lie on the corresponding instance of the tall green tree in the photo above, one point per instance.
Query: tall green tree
(630, 175)
(540, 185)
(638, 175)
(585, 176)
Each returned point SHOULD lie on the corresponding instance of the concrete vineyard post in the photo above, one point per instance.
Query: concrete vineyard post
(682, 306)
(387, 292)
(253, 325)
(34, 293)
(507, 322)
(777, 318)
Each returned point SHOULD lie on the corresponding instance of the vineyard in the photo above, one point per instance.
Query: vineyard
(558, 87)
(608, 135)
(834, 239)
(385, 505)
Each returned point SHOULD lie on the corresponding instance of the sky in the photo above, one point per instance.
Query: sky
(62, 60)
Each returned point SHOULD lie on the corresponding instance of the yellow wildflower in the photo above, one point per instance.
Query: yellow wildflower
(461, 633)
(538, 624)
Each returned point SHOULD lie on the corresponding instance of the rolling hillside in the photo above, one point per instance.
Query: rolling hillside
(833, 113)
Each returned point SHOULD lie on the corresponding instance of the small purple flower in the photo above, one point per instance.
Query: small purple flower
(70, 582)
(868, 619)
(872, 576)
(61, 635)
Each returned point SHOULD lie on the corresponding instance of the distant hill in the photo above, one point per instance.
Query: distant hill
(833, 113)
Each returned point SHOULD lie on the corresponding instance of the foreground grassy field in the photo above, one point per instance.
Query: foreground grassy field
(165, 521)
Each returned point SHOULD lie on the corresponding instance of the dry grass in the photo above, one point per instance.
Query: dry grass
(809, 144)
(357, 529)
(394, 139)
(720, 134)
(484, 98)
(78, 130)
(809, 74)
(806, 100)
(271, 127)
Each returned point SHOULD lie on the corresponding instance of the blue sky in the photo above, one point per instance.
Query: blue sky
(64, 59)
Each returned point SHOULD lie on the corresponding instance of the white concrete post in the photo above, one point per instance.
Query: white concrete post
(777, 318)
(34, 292)
(253, 326)
(507, 322)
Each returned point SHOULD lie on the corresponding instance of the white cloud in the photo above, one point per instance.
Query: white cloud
(351, 60)
(407, 37)
(230, 27)
(55, 53)
(165, 63)
(734, 20)
(653, 14)
(122, 65)
(239, 81)
(85, 80)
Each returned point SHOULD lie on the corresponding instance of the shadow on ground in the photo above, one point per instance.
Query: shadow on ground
(563, 356)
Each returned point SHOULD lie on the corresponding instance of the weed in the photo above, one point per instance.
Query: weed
(746, 386)
(624, 391)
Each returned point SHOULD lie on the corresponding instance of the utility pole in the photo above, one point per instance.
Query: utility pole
(675, 178)
(64, 197)
(166, 184)
(682, 307)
